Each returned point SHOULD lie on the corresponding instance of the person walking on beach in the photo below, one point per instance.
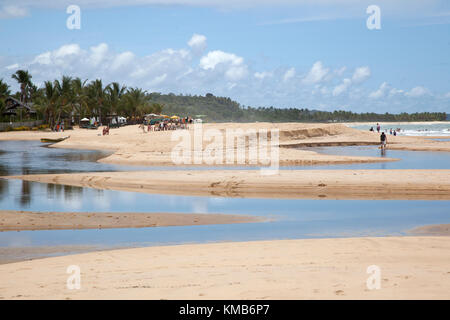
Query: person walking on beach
(378, 127)
(383, 140)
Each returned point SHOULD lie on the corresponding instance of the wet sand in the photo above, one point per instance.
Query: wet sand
(410, 268)
(432, 230)
(286, 184)
(28, 220)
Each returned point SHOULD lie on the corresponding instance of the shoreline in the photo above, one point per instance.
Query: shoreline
(12, 220)
(411, 268)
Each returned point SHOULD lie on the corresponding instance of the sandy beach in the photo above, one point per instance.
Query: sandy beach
(132, 147)
(28, 220)
(287, 184)
(410, 268)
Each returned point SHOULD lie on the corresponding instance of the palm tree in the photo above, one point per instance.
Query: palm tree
(81, 105)
(4, 90)
(114, 94)
(24, 79)
(136, 102)
(96, 94)
(47, 103)
(4, 93)
(66, 97)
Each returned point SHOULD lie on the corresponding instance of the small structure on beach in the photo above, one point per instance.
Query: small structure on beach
(14, 107)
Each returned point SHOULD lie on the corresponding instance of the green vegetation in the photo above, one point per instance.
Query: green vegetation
(69, 98)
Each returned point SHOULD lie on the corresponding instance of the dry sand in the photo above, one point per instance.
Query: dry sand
(132, 147)
(27, 220)
(411, 268)
(294, 184)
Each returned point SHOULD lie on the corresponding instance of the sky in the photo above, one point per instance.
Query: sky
(283, 53)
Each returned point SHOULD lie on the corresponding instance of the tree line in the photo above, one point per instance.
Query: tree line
(74, 97)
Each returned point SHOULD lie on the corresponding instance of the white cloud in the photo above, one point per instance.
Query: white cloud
(67, 50)
(316, 74)
(224, 74)
(417, 92)
(262, 75)
(395, 91)
(14, 66)
(361, 74)
(98, 53)
(122, 60)
(223, 62)
(13, 11)
(197, 42)
(381, 92)
(289, 74)
(43, 58)
(214, 58)
(340, 71)
(341, 88)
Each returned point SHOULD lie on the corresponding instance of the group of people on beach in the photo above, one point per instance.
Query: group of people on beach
(59, 127)
(391, 131)
(166, 124)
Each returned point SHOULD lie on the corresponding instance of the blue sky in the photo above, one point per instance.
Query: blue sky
(315, 54)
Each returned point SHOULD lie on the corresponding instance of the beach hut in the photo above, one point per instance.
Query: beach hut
(14, 107)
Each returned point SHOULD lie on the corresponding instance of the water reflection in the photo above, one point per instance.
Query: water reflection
(25, 194)
(292, 218)
(408, 159)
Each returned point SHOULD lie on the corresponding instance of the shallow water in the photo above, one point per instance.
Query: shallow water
(408, 159)
(292, 218)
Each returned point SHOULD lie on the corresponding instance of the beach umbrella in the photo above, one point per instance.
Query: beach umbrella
(174, 117)
(84, 119)
(164, 116)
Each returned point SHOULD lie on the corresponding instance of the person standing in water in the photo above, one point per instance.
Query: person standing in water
(378, 127)
(383, 140)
